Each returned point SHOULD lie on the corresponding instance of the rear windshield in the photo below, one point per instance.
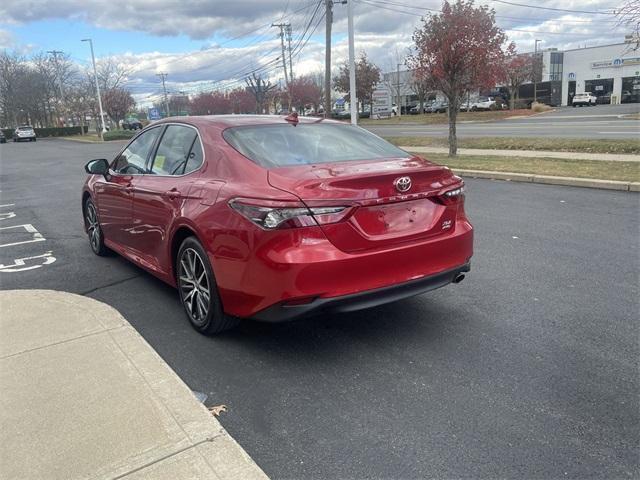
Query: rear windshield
(25, 128)
(286, 145)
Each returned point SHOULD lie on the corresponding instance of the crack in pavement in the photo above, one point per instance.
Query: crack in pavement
(117, 282)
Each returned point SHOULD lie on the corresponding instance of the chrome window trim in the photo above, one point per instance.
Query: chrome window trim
(155, 150)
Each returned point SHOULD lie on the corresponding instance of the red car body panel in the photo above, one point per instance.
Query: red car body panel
(386, 238)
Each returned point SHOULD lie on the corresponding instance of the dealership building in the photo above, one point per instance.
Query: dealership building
(610, 72)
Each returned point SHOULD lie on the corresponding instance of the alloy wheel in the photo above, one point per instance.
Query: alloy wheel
(93, 227)
(195, 286)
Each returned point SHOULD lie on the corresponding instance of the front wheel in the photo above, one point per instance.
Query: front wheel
(198, 290)
(94, 231)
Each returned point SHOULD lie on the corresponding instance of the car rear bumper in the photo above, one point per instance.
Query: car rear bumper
(291, 268)
(283, 311)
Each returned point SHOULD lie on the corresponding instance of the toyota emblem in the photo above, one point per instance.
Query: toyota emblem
(403, 184)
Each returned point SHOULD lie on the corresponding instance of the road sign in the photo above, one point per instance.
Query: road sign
(381, 100)
(153, 114)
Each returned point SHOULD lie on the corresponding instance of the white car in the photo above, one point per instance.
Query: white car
(25, 132)
(483, 103)
(581, 99)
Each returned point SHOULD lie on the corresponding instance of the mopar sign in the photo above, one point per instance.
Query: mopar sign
(616, 62)
(572, 76)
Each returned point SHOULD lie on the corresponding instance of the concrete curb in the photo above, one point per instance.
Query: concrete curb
(85, 396)
(601, 157)
(551, 180)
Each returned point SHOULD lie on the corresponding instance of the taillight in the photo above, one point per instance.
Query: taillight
(271, 215)
(453, 196)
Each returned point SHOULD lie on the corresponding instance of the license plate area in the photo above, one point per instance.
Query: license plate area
(401, 219)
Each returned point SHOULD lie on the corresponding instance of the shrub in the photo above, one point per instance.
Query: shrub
(540, 107)
(118, 135)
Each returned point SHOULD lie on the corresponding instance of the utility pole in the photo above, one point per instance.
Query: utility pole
(164, 89)
(95, 76)
(284, 60)
(55, 54)
(535, 71)
(398, 86)
(289, 32)
(327, 58)
(282, 27)
(353, 100)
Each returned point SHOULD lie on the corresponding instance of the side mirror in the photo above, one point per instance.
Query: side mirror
(97, 167)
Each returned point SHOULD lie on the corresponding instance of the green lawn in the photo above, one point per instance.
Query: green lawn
(602, 170)
(526, 143)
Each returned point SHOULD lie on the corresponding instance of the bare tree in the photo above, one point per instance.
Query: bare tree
(260, 90)
(111, 74)
(629, 16)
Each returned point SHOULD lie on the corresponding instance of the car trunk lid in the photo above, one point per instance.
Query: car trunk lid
(381, 214)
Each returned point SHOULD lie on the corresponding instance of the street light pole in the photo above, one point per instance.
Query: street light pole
(535, 71)
(399, 97)
(353, 101)
(95, 76)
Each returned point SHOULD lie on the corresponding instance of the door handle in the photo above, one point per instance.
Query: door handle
(172, 194)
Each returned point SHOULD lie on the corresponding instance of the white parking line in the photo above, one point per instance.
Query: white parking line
(19, 263)
(37, 236)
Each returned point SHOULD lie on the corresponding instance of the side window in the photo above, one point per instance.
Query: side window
(195, 157)
(133, 159)
(172, 154)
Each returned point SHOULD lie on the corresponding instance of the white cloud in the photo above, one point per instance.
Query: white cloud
(383, 30)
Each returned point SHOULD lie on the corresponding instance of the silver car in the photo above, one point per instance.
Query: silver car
(24, 132)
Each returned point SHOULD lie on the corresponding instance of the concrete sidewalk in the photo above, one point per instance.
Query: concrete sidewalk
(610, 157)
(82, 395)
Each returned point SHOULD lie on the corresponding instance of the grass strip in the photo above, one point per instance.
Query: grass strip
(595, 169)
(619, 146)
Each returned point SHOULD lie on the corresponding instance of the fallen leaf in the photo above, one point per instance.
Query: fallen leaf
(217, 410)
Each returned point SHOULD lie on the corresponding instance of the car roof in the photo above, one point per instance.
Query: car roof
(225, 121)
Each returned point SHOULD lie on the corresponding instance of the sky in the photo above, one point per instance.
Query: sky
(204, 45)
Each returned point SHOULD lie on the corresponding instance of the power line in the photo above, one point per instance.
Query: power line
(370, 2)
(589, 12)
(506, 17)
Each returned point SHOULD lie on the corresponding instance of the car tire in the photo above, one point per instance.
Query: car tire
(196, 282)
(94, 230)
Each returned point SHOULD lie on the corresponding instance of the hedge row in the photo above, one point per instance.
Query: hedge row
(50, 131)
(118, 135)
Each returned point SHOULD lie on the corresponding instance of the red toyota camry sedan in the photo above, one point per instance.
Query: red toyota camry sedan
(274, 218)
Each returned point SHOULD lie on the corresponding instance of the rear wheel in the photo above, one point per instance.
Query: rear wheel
(94, 231)
(198, 290)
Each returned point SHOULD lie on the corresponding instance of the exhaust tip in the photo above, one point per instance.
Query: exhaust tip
(458, 278)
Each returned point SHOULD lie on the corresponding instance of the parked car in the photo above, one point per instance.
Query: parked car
(581, 99)
(24, 132)
(437, 107)
(132, 124)
(416, 109)
(3, 139)
(276, 218)
(483, 104)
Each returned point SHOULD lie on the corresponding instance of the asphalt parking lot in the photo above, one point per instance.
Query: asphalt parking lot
(527, 369)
